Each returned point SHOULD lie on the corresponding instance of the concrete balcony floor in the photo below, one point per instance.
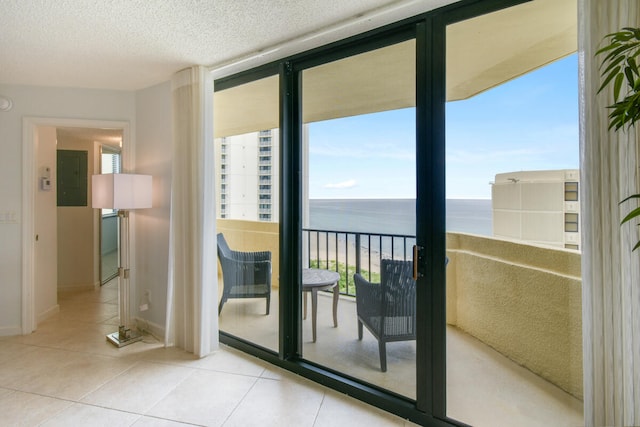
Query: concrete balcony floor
(484, 388)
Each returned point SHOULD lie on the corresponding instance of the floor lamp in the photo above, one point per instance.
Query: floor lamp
(123, 192)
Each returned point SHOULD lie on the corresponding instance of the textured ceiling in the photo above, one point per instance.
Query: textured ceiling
(133, 44)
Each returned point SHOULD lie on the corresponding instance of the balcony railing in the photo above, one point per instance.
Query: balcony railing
(349, 252)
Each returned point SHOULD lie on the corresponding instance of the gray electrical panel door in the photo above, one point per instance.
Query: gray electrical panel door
(72, 178)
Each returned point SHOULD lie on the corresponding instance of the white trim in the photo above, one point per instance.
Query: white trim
(352, 26)
(29, 188)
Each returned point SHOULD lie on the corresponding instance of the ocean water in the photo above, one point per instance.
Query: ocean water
(396, 216)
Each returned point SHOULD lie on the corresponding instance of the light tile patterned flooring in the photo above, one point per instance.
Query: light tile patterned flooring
(66, 374)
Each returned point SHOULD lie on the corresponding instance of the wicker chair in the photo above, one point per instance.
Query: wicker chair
(245, 274)
(388, 309)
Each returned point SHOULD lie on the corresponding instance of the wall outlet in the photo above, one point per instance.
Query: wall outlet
(145, 300)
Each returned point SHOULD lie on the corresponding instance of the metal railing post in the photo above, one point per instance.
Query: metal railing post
(358, 252)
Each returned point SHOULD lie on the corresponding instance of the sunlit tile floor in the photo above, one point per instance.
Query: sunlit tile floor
(66, 374)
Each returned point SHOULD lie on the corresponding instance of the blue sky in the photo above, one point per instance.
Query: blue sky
(530, 123)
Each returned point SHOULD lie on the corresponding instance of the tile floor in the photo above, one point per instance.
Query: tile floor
(484, 388)
(66, 374)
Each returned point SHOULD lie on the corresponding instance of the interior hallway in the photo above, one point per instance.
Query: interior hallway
(67, 374)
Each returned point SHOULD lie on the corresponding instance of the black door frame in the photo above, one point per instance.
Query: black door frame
(429, 31)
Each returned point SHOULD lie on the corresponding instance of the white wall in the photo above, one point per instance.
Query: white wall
(31, 101)
(154, 153)
(46, 246)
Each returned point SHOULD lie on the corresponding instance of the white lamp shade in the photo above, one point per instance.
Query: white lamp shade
(121, 191)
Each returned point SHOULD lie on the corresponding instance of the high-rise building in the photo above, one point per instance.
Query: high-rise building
(247, 176)
(540, 207)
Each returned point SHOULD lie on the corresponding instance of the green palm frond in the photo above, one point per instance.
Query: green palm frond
(619, 67)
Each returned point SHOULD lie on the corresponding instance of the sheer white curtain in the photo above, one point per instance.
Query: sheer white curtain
(192, 318)
(610, 271)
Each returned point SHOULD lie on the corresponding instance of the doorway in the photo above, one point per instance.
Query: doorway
(40, 299)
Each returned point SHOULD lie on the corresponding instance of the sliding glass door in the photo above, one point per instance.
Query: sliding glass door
(358, 216)
(109, 245)
(334, 174)
(246, 147)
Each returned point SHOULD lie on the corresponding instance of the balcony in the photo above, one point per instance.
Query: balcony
(514, 352)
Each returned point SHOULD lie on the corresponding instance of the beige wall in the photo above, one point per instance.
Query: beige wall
(77, 231)
(253, 236)
(525, 301)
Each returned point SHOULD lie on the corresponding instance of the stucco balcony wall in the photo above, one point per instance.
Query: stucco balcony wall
(525, 301)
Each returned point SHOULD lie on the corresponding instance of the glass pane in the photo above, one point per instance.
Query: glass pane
(571, 191)
(359, 216)
(514, 323)
(571, 222)
(109, 245)
(247, 173)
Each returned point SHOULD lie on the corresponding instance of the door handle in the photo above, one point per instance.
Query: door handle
(417, 257)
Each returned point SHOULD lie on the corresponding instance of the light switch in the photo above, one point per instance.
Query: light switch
(8, 217)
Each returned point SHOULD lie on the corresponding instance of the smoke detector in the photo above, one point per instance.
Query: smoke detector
(5, 103)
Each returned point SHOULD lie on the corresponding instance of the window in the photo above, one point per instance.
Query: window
(110, 163)
(571, 191)
(571, 222)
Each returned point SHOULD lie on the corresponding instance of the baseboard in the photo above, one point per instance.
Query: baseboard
(10, 331)
(150, 328)
(48, 313)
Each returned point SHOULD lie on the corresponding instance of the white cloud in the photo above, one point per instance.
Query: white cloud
(345, 184)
